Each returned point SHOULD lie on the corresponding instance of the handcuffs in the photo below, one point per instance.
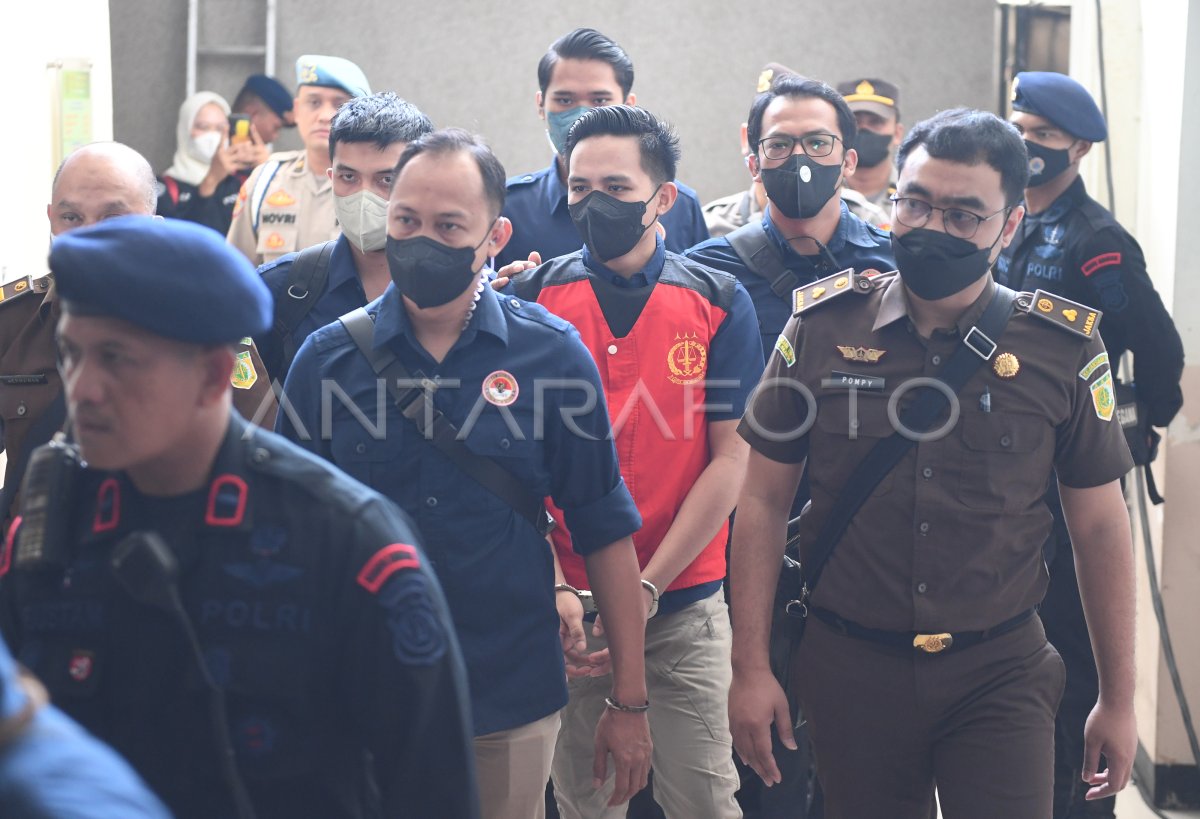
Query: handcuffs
(589, 602)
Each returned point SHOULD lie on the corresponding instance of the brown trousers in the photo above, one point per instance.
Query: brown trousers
(888, 725)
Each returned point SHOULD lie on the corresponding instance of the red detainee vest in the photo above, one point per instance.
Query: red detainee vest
(653, 380)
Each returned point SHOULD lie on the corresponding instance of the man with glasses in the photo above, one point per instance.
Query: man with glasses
(802, 136)
(922, 660)
(1070, 244)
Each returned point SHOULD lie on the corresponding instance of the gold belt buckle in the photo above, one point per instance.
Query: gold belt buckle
(933, 643)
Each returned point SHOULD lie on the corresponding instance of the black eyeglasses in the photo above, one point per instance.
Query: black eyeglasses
(781, 146)
(915, 213)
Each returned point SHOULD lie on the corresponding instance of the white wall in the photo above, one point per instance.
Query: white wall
(48, 31)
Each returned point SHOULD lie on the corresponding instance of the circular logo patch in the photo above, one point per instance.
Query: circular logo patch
(1006, 365)
(687, 361)
(1037, 165)
(500, 388)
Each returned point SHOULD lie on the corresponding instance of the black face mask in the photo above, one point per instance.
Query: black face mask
(429, 272)
(609, 227)
(934, 265)
(872, 148)
(800, 187)
(1046, 163)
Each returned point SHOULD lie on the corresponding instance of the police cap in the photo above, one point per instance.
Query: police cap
(272, 92)
(1061, 100)
(873, 95)
(332, 72)
(174, 278)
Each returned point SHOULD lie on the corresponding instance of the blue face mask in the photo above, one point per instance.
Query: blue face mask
(558, 125)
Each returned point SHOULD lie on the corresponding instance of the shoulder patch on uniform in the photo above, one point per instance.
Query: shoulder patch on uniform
(785, 349)
(244, 374)
(20, 287)
(418, 632)
(1099, 262)
(385, 563)
(1104, 397)
(1093, 365)
(824, 290)
(1069, 315)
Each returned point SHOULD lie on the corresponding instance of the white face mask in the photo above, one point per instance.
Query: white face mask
(363, 217)
(204, 147)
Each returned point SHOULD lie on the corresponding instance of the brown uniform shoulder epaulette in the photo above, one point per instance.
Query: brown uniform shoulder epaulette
(1069, 315)
(825, 290)
(23, 287)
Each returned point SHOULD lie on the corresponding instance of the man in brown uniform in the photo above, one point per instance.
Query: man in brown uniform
(923, 661)
(287, 203)
(96, 182)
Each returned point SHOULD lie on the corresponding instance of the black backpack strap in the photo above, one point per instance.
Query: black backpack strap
(306, 278)
(754, 247)
(979, 344)
(437, 428)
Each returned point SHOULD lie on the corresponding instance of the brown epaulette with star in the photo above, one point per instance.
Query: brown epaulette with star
(1069, 315)
(825, 290)
(23, 287)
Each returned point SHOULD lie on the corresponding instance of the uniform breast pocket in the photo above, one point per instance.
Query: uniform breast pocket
(1004, 463)
(843, 435)
(512, 448)
(363, 451)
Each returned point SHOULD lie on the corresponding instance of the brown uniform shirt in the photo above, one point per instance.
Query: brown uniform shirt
(29, 379)
(292, 211)
(951, 540)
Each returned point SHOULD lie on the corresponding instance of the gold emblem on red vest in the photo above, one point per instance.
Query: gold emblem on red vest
(687, 359)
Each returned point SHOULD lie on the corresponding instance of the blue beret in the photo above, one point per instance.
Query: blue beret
(270, 91)
(332, 72)
(1061, 100)
(173, 278)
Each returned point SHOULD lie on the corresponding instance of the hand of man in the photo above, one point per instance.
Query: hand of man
(252, 153)
(598, 663)
(755, 701)
(626, 736)
(1112, 732)
(570, 632)
(505, 274)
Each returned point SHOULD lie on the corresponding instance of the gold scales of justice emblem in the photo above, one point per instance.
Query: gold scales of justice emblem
(687, 360)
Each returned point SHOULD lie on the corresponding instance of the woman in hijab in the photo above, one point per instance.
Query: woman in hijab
(202, 183)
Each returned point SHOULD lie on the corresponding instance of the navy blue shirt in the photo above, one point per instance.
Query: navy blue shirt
(343, 293)
(495, 568)
(854, 244)
(536, 204)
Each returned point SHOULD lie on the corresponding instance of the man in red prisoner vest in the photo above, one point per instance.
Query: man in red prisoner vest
(677, 348)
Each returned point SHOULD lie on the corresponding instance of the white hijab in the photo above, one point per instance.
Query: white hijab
(188, 166)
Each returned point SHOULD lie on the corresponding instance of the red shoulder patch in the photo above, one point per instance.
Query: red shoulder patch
(385, 563)
(1099, 262)
(9, 539)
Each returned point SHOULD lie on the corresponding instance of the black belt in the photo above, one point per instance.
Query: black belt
(927, 643)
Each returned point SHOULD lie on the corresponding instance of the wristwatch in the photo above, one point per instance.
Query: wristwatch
(650, 587)
(585, 596)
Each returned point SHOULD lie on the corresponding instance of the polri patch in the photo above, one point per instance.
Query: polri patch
(1100, 262)
(1093, 365)
(785, 349)
(1104, 398)
(418, 637)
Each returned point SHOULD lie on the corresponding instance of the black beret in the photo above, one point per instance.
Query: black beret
(173, 278)
(1061, 100)
(272, 92)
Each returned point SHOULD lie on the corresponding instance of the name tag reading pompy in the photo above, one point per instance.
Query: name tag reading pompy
(838, 380)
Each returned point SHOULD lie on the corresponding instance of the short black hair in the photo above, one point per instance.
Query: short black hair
(970, 136)
(455, 140)
(587, 44)
(657, 141)
(383, 119)
(796, 86)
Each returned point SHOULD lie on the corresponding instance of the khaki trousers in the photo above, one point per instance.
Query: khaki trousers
(688, 674)
(513, 767)
(888, 724)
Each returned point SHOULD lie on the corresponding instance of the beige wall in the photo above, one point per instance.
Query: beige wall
(47, 32)
(473, 63)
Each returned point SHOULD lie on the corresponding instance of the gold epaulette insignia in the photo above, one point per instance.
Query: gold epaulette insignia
(1069, 315)
(23, 287)
(824, 290)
